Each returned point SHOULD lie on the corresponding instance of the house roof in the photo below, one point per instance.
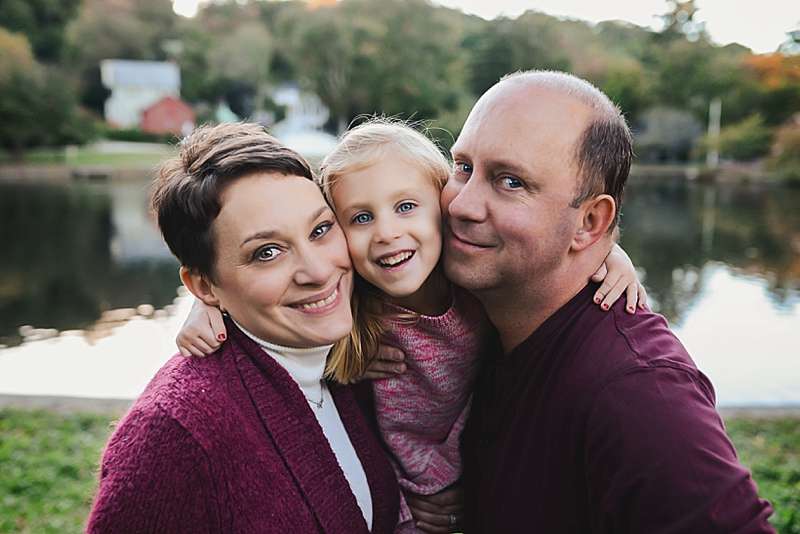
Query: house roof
(129, 73)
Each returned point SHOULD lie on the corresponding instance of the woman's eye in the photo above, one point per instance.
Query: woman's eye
(405, 207)
(321, 230)
(362, 218)
(268, 253)
(509, 182)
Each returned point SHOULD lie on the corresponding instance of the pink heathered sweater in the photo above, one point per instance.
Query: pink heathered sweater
(421, 413)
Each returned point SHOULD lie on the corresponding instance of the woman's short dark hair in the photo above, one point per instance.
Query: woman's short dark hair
(187, 189)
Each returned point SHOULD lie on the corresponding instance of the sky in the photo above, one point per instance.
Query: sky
(760, 25)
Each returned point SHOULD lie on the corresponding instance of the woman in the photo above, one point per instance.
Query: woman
(254, 441)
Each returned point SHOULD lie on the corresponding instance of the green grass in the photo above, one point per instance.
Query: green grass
(771, 449)
(86, 156)
(48, 467)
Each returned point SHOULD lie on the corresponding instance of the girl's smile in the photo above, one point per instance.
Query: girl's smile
(390, 215)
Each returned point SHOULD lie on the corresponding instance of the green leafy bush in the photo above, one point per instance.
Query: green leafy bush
(746, 140)
(785, 159)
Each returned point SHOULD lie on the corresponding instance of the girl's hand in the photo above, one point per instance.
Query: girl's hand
(203, 332)
(618, 275)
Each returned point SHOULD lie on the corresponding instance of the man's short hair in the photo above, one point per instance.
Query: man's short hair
(604, 151)
(187, 189)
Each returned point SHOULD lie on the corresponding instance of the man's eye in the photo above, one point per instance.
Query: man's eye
(362, 218)
(464, 168)
(267, 253)
(509, 182)
(405, 207)
(321, 230)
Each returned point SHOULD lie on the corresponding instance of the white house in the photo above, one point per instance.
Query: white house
(136, 85)
(305, 116)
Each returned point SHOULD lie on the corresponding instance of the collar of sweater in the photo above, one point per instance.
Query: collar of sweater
(305, 366)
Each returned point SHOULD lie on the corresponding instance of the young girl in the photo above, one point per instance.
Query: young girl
(383, 181)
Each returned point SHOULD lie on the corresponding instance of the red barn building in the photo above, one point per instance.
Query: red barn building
(168, 115)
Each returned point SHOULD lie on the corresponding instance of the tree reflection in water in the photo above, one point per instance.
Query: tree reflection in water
(673, 229)
(62, 267)
(58, 270)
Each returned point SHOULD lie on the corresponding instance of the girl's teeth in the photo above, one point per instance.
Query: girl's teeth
(397, 258)
(320, 303)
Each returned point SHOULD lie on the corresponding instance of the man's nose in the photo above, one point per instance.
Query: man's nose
(469, 204)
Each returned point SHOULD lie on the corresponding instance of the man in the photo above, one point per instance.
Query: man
(584, 421)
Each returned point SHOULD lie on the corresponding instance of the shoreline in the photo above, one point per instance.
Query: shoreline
(67, 405)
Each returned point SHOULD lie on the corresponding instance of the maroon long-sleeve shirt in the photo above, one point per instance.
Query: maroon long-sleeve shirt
(600, 422)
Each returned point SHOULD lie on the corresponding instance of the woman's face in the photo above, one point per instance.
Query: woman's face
(282, 267)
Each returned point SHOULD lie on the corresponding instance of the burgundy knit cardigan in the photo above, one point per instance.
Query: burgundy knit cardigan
(229, 444)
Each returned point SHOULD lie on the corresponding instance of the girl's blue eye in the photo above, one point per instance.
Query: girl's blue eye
(267, 253)
(362, 218)
(511, 183)
(405, 207)
(321, 230)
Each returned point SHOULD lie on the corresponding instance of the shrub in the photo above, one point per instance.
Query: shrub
(784, 160)
(746, 140)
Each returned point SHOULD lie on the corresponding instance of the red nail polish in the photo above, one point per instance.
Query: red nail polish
(605, 306)
(221, 337)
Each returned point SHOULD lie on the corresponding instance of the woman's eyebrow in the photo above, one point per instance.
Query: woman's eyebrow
(264, 234)
(269, 234)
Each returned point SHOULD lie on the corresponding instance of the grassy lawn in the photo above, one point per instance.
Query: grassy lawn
(48, 464)
(87, 156)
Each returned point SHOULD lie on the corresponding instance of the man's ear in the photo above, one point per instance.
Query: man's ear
(598, 215)
(199, 286)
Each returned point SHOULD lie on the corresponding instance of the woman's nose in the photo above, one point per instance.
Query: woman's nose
(314, 267)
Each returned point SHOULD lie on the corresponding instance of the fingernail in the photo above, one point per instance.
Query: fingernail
(604, 306)
(221, 337)
(631, 309)
(597, 300)
(400, 368)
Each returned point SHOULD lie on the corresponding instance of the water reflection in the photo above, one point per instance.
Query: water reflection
(65, 261)
(672, 230)
(88, 289)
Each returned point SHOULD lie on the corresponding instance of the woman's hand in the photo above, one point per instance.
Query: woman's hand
(619, 276)
(386, 364)
(203, 332)
(441, 512)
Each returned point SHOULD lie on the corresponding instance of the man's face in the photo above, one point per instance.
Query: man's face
(509, 223)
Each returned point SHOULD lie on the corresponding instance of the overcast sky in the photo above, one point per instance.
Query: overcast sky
(760, 25)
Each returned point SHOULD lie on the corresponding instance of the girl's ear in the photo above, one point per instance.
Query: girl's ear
(598, 215)
(199, 286)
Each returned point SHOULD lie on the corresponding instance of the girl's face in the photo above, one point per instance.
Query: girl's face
(392, 221)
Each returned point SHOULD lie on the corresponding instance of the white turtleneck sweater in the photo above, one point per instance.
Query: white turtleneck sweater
(306, 367)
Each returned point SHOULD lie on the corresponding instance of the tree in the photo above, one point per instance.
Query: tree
(507, 45)
(42, 21)
(116, 29)
(378, 56)
(37, 104)
(244, 56)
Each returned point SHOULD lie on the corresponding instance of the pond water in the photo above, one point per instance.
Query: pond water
(89, 304)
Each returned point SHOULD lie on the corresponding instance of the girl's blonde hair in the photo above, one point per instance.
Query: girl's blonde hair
(359, 148)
